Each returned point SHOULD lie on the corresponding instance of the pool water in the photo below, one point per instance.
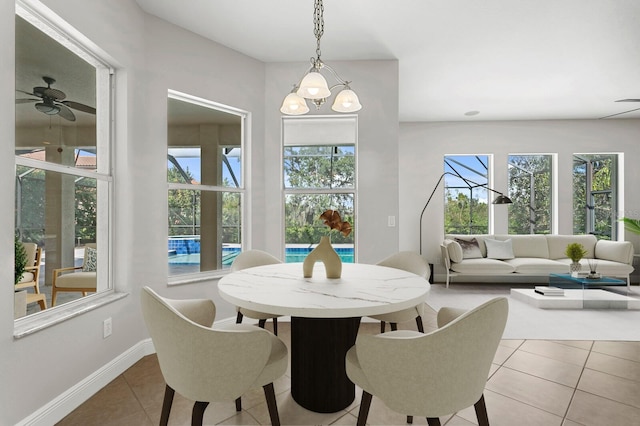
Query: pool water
(292, 255)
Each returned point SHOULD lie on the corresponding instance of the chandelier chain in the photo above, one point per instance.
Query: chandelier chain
(318, 24)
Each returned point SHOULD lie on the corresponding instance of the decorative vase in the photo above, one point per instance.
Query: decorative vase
(324, 253)
(575, 267)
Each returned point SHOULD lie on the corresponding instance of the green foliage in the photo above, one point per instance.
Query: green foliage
(20, 259)
(464, 215)
(530, 190)
(601, 169)
(575, 251)
(631, 225)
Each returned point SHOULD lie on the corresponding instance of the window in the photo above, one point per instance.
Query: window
(62, 150)
(319, 162)
(595, 195)
(530, 189)
(205, 184)
(466, 210)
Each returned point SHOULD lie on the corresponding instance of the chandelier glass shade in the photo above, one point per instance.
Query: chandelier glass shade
(314, 87)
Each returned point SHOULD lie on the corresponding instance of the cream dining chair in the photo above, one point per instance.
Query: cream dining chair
(434, 374)
(31, 276)
(249, 259)
(81, 279)
(411, 262)
(205, 364)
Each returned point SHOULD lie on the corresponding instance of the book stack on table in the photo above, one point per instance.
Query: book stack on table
(549, 291)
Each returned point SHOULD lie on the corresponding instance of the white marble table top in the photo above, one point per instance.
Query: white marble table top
(362, 290)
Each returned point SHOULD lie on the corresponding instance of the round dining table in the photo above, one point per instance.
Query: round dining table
(325, 316)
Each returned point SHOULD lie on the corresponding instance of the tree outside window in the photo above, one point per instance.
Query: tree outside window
(530, 184)
(466, 208)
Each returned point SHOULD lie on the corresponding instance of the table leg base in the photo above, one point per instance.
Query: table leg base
(318, 347)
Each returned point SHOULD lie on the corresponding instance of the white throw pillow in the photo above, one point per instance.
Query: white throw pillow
(455, 251)
(500, 250)
(470, 248)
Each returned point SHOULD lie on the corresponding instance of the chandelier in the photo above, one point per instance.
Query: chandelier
(313, 85)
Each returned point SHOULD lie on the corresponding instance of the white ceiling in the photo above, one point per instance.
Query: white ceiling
(507, 59)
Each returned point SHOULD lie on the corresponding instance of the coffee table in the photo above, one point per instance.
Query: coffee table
(580, 293)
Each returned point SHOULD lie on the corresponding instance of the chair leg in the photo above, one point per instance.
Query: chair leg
(270, 396)
(239, 404)
(433, 421)
(394, 326)
(261, 323)
(410, 419)
(419, 324)
(365, 404)
(197, 414)
(166, 405)
(275, 326)
(239, 318)
(54, 296)
(481, 412)
(382, 326)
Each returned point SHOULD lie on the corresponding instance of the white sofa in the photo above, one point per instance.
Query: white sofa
(533, 257)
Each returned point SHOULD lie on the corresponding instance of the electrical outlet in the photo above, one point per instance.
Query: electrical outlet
(106, 328)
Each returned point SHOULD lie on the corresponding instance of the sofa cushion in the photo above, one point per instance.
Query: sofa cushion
(479, 238)
(470, 248)
(617, 251)
(77, 280)
(558, 244)
(604, 267)
(537, 266)
(455, 250)
(500, 250)
(527, 245)
(482, 267)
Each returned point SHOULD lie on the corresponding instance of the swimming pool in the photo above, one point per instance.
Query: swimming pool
(292, 254)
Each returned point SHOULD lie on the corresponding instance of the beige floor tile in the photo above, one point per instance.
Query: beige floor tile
(612, 387)
(612, 365)
(379, 414)
(502, 354)
(347, 419)
(504, 411)
(512, 343)
(459, 421)
(592, 410)
(556, 351)
(537, 392)
(626, 350)
(293, 414)
(570, 423)
(582, 344)
(545, 368)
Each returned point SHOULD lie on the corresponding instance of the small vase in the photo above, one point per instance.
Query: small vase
(324, 253)
(575, 267)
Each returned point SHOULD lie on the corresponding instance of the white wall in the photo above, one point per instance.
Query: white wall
(423, 146)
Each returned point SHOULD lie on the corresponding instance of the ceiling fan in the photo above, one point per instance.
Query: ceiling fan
(624, 112)
(51, 101)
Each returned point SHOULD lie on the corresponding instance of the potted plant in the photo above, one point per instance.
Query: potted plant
(20, 262)
(631, 225)
(575, 252)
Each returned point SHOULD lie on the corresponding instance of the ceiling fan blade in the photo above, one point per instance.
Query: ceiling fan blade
(26, 93)
(24, 101)
(620, 113)
(628, 100)
(80, 107)
(66, 113)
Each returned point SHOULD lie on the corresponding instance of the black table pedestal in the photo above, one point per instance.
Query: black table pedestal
(318, 347)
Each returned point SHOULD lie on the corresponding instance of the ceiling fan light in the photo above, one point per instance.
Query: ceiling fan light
(47, 108)
(293, 104)
(346, 101)
(314, 86)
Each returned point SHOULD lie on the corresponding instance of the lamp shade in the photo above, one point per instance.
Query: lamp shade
(314, 86)
(47, 108)
(346, 101)
(294, 105)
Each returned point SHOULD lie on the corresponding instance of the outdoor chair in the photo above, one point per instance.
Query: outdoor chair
(411, 262)
(430, 375)
(76, 278)
(31, 276)
(206, 365)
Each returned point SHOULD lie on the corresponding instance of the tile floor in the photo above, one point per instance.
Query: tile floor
(532, 382)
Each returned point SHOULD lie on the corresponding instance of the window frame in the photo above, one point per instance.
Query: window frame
(312, 131)
(245, 123)
(63, 33)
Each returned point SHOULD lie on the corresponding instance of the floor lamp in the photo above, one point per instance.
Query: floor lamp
(500, 199)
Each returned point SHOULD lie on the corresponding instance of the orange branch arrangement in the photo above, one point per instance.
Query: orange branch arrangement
(332, 219)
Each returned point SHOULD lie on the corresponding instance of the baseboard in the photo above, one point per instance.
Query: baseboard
(71, 399)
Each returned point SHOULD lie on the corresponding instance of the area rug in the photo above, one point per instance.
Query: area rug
(528, 322)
